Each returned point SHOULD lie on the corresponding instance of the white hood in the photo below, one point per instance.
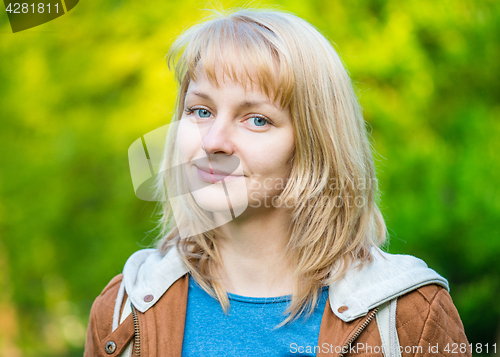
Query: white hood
(147, 272)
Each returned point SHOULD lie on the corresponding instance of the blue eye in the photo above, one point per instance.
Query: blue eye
(258, 121)
(202, 113)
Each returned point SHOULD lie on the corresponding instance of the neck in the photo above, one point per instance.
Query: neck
(253, 254)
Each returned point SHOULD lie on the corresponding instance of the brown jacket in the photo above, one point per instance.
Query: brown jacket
(427, 324)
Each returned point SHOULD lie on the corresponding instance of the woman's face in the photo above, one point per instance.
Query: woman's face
(236, 146)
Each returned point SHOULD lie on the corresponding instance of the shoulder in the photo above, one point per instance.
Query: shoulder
(427, 318)
(107, 297)
(101, 313)
(100, 328)
(385, 277)
(427, 303)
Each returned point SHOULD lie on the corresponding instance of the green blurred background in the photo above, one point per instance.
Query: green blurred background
(77, 91)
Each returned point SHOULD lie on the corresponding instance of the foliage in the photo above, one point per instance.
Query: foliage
(77, 91)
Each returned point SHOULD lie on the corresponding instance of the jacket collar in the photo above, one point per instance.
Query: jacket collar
(148, 274)
(386, 277)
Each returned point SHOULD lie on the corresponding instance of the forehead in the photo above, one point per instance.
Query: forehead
(253, 67)
(231, 71)
(242, 85)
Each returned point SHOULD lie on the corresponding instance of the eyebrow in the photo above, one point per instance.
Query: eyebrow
(245, 104)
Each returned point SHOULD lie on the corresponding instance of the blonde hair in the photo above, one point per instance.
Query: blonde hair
(290, 61)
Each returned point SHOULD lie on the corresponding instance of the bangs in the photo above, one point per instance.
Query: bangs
(246, 52)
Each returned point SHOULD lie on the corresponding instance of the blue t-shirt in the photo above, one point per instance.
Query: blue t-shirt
(248, 329)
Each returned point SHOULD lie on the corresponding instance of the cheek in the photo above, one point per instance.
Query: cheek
(288, 151)
(188, 140)
(272, 160)
(277, 157)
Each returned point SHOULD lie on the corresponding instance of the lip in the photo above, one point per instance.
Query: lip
(215, 176)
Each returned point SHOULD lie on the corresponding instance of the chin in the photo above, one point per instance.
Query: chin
(213, 198)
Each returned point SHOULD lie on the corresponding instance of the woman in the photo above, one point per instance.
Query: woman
(270, 227)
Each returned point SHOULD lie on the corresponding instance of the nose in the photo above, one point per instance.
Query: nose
(219, 137)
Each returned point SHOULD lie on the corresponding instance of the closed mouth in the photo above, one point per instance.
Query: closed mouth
(215, 175)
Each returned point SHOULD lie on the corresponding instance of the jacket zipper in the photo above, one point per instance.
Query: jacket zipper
(137, 333)
(368, 319)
